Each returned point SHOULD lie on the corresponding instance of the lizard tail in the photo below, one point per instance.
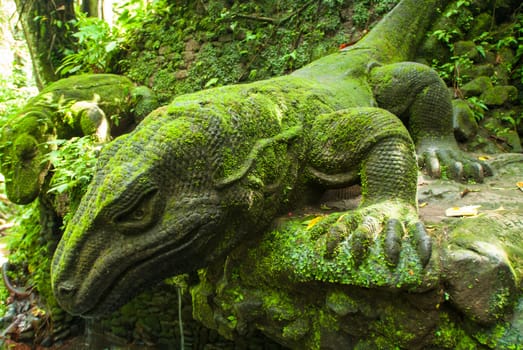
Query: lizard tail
(396, 37)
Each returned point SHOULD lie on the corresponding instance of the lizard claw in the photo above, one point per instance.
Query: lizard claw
(393, 241)
(394, 234)
(423, 242)
(393, 229)
(361, 239)
(445, 159)
(432, 164)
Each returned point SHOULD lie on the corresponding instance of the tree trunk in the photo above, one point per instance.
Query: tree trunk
(90, 7)
(46, 25)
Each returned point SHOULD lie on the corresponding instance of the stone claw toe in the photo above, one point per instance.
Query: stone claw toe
(393, 233)
(423, 243)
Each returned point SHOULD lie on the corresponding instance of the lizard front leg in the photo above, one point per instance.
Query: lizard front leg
(373, 145)
(416, 94)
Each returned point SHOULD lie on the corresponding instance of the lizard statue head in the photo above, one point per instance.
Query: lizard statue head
(23, 146)
(162, 202)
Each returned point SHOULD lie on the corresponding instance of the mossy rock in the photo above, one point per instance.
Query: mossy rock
(499, 95)
(476, 70)
(432, 48)
(467, 49)
(486, 269)
(497, 124)
(482, 23)
(465, 125)
(477, 86)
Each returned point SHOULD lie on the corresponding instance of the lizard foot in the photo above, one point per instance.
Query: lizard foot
(443, 158)
(389, 229)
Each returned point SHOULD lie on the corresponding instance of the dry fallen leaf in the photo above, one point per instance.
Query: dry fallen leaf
(313, 222)
(469, 210)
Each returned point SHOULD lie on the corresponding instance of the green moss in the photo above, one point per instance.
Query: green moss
(200, 293)
(4, 294)
(449, 335)
(217, 47)
(280, 306)
(491, 336)
(341, 304)
(296, 330)
(391, 330)
(298, 250)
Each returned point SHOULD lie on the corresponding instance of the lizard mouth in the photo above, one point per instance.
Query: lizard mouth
(170, 260)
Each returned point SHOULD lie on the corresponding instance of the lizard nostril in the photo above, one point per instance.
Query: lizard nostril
(66, 290)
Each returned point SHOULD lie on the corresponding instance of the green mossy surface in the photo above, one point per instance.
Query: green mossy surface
(54, 113)
(223, 43)
(452, 335)
(499, 95)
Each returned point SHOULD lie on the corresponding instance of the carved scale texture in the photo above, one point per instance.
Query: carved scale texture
(417, 95)
(392, 159)
(343, 139)
(201, 139)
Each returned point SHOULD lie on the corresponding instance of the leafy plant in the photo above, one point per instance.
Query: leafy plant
(518, 35)
(97, 45)
(452, 71)
(73, 163)
(134, 14)
(12, 98)
(445, 36)
(512, 120)
(361, 13)
(478, 107)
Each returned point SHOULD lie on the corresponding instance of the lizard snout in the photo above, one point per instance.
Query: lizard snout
(65, 293)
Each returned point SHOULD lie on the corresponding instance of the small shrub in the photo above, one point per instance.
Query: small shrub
(97, 44)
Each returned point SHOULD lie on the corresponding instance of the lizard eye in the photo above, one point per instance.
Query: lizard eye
(141, 214)
(138, 214)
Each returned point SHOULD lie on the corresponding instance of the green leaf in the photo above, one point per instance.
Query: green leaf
(211, 82)
(481, 50)
(59, 188)
(111, 45)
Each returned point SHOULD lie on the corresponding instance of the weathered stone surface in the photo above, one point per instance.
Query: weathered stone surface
(482, 254)
(477, 86)
(192, 45)
(499, 95)
(465, 125)
(477, 70)
(181, 74)
(188, 56)
(479, 257)
(481, 281)
(236, 157)
(466, 49)
(307, 282)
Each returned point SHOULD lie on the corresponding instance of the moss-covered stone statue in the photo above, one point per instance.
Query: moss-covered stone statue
(102, 104)
(206, 176)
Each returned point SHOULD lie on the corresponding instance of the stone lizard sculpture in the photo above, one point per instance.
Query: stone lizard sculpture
(216, 167)
(101, 104)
